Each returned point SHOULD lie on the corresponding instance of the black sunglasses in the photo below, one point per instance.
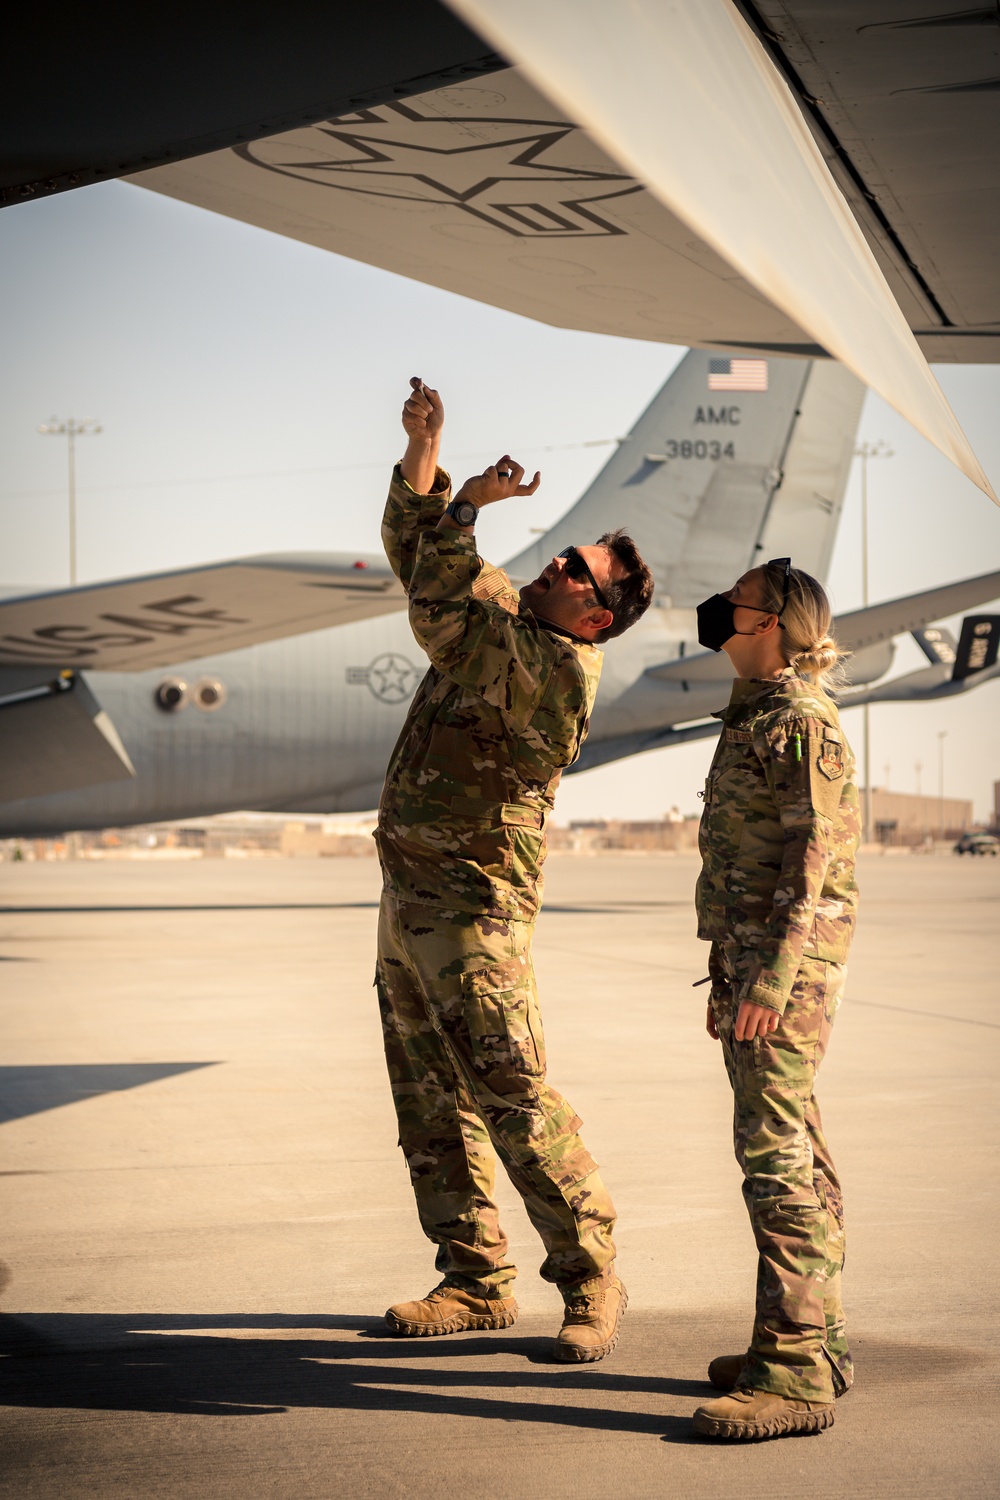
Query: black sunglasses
(786, 563)
(577, 568)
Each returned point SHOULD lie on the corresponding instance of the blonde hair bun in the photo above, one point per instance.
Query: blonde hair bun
(806, 617)
(819, 660)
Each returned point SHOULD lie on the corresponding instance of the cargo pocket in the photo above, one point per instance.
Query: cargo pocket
(528, 856)
(504, 1024)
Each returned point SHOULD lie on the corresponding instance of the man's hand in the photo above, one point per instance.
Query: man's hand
(499, 482)
(754, 1020)
(423, 419)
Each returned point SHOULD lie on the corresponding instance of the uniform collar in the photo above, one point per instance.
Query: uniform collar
(569, 635)
(748, 689)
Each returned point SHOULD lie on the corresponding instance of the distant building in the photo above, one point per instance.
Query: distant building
(671, 832)
(900, 818)
(246, 835)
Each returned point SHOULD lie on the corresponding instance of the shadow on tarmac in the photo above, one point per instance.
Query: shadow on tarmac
(606, 908)
(152, 1363)
(253, 1365)
(33, 1089)
(55, 911)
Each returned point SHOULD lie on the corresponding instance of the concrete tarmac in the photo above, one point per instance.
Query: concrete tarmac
(205, 1213)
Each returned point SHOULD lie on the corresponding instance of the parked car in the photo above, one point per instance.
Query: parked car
(978, 843)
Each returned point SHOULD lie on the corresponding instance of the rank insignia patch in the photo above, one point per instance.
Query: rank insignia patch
(831, 760)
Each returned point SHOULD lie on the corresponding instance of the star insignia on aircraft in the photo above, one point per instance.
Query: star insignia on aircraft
(504, 171)
(390, 677)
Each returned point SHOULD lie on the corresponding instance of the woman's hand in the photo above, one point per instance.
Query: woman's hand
(754, 1020)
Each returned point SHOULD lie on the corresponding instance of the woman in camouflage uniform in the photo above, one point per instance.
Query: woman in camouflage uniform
(777, 900)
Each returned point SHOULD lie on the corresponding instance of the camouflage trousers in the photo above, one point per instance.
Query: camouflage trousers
(466, 1057)
(799, 1345)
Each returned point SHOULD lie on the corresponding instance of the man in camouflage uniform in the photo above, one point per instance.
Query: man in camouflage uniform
(777, 900)
(502, 711)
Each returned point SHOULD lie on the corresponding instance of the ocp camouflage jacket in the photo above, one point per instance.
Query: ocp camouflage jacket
(779, 834)
(502, 711)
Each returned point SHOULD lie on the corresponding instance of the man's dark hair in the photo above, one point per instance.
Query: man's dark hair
(629, 598)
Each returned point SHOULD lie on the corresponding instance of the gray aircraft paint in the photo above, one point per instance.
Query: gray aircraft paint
(308, 722)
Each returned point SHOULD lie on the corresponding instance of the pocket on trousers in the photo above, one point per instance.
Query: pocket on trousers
(504, 1023)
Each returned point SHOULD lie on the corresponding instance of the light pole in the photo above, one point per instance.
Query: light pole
(866, 451)
(942, 735)
(71, 429)
(918, 766)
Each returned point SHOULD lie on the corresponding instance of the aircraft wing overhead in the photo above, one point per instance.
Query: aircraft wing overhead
(132, 624)
(644, 172)
(645, 78)
(488, 189)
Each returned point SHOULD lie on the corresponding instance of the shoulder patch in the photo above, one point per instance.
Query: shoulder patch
(739, 737)
(831, 758)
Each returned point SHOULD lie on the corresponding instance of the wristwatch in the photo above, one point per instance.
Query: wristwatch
(463, 512)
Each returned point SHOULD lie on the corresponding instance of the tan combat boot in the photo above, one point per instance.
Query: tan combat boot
(725, 1371)
(752, 1415)
(592, 1320)
(450, 1309)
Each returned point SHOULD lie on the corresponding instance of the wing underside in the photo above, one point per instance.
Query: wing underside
(54, 736)
(562, 191)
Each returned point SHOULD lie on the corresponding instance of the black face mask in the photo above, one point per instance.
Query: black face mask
(717, 621)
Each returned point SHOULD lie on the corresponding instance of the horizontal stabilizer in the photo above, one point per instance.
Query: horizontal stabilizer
(132, 624)
(927, 685)
(938, 645)
(863, 627)
(55, 737)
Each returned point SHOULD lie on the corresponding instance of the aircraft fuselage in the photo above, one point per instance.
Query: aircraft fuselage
(306, 723)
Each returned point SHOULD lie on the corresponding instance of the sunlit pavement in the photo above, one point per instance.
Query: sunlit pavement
(205, 1213)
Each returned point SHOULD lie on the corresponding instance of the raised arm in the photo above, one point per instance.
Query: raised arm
(418, 490)
(423, 423)
(484, 646)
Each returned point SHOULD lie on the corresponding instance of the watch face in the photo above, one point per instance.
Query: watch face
(465, 512)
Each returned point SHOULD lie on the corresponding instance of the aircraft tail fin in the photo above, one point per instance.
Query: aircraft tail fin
(733, 459)
(977, 645)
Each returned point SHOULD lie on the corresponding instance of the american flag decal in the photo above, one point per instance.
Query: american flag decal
(737, 374)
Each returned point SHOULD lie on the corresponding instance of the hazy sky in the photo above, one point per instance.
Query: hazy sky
(249, 389)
